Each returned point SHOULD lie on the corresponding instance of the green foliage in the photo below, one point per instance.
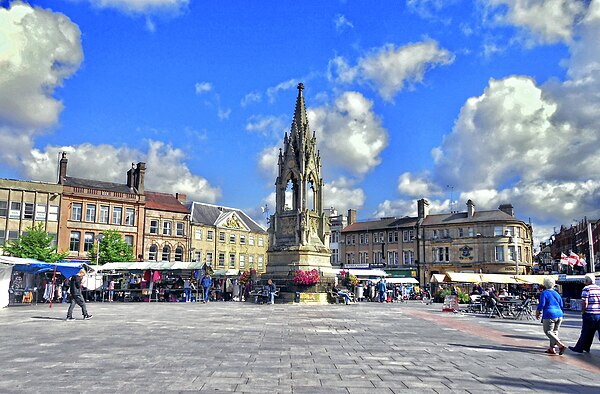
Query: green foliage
(112, 248)
(35, 244)
(463, 298)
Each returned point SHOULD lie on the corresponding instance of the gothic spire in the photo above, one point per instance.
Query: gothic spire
(300, 119)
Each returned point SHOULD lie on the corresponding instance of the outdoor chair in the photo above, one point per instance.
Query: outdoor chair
(495, 309)
(524, 310)
(475, 305)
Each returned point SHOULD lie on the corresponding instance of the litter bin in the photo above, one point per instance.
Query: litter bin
(297, 297)
(359, 292)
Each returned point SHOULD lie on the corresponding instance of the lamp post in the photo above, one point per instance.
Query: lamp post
(99, 238)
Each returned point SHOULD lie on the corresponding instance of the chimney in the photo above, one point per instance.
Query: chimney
(131, 176)
(140, 171)
(182, 198)
(470, 209)
(62, 168)
(351, 216)
(422, 208)
(508, 209)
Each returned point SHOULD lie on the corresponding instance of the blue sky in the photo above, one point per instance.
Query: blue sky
(491, 100)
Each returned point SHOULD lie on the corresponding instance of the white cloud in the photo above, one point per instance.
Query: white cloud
(142, 6)
(224, 114)
(273, 91)
(39, 49)
(342, 195)
(342, 23)
(203, 87)
(389, 69)
(350, 119)
(273, 126)
(416, 186)
(267, 162)
(252, 97)
(546, 21)
(166, 170)
(403, 207)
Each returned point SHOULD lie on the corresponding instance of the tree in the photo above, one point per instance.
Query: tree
(35, 243)
(112, 248)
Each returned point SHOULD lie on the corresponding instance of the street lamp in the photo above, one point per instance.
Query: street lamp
(99, 238)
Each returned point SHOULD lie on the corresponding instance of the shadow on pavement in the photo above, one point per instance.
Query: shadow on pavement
(531, 337)
(540, 385)
(505, 348)
(48, 318)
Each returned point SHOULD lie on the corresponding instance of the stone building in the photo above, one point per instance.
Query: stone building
(490, 241)
(226, 238)
(166, 228)
(384, 243)
(337, 222)
(90, 207)
(25, 204)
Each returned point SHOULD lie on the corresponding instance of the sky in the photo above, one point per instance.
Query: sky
(490, 100)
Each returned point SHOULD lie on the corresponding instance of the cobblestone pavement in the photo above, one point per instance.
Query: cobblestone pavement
(242, 347)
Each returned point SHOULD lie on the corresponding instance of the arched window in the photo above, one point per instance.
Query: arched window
(166, 253)
(310, 198)
(290, 196)
(152, 253)
(179, 253)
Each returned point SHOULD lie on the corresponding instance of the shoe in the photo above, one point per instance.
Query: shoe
(88, 317)
(69, 318)
(550, 350)
(572, 348)
(561, 349)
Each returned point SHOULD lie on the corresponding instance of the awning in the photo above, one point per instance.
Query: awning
(372, 273)
(223, 272)
(67, 269)
(462, 277)
(437, 278)
(151, 265)
(402, 281)
(534, 279)
(498, 278)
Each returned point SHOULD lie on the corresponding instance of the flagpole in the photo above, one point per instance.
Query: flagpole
(591, 242)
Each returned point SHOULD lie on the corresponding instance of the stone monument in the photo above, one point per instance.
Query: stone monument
(299, 229)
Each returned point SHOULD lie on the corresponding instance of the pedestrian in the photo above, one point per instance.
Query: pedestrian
(187, 288)
(65, 289)
(272, 290)
(590, 315)
(77, 297)
(381, 286)
(111, 289)
(206, 284)
(550, 307)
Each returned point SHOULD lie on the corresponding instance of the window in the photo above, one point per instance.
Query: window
(251, 240)
(221, 259)
(242, 261)
(390, 237)
(499, 253)
(442, 254)
(167, 229)
(53, 213)
(242, 239)
(250, 261)
(396, 236)
(166, 253)
(209, 235)
(179, 229)
(40, 212)
(446, 233)
(231, 260)
(179, 253)
(381, 238)
(260, 263)
(2, 237)
(518, 232)
(74, 241)
(519, 250)
(13, 235)
(90, 213)
(209, 258)
(88, 241)
(470, 230)
(76, 210)
(436, 234)
(198, 256)
(510, 231)
(15, 210)
(405, 236)
(375, 238)
(3, 209)
(152, 253)
(366, 238)
(129, 240)
(129, 217)
(511, 253)
(231, 238)
(153, 226)
(54, 238)
(260, 241)
(498, 231)
(361, 239)
(117, 215)
(28, 210)
(198, 234)
(104, 209)
(221, 236)
(461, 232)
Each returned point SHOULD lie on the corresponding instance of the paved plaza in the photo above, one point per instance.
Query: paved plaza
(248, 348)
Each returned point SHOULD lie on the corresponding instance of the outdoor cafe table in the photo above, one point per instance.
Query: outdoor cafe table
(508, 305)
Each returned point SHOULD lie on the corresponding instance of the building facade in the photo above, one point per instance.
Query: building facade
(575, 238)
(337, 222)
(491, 241)
(226, 238)
(385, 243)
(166, 228)
(90, 207)
(26, 204)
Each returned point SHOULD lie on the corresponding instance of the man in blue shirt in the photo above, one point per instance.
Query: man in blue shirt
(590, 315)
(206, 284)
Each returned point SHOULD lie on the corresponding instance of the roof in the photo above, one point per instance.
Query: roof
(381, 224)
(164, 202)
(208, 214)
(462, 217)
(91, 184)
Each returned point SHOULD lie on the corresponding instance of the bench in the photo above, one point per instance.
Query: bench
(337, 298)
(262, 295)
